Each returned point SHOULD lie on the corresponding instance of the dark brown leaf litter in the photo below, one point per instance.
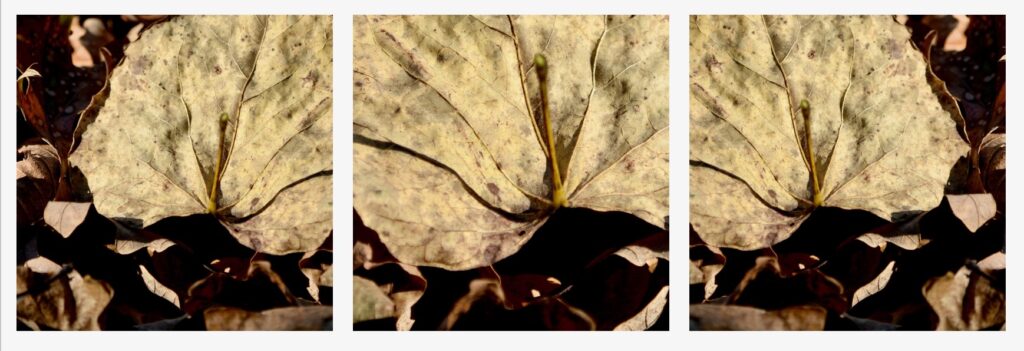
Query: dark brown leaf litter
(567, 277)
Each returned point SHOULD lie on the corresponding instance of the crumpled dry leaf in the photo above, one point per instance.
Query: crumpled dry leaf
(907, 235)
(402, 284)
(730, 317)
(38, 174)
(485, 306)
(973, 210)
(992, 160)
(317, 266)
(881, 141)
(450, 162)
(649, 315)
(965, 300)
(158, 289)
(875, 285)
(705, 263)
(369, 301)
(152, 151)
(61, 300)
(284, 318)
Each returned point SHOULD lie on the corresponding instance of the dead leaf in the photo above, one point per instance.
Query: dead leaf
(649, 315)
(766, 285)
(369, 301)
(705, 263)
(65, 217)
(992, 161)
(729, 317)
(875, 285)
(63, 301)
(880, 140)
(973, 210)
(402, 284)
(38, 174)
(485, 306)
(285, 318)
(907, 235)
(158, 288)
(318, 268)
(152, 151)
(451, 162)
(965, 301)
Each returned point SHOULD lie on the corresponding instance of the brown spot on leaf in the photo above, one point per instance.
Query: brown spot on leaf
(493, 189)
(811, 54)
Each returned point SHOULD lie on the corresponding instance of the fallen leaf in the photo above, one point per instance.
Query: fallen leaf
(65, 217)
(729, 317)
(284, 318)
(38, 174)
(158, 288)
(260, 288)
(647, 251)
(369, 301)
(874, 286)
(766, 286)
(402, 284)
(992, 160)
(705, 263)
(993, 262)
(973, 210)
(153, 150)
(649, 315)
(63, 301)
(907, 235)
(451, 163)
(318, 268)
(880, 140)
(484, 307)
(965, 301)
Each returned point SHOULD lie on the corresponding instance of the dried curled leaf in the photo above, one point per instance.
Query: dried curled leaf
(879, 138)
(965, 300)
(61, 300)
(450, 159)
(38, 174)
(729, 317)
(284, 318)
(152, 152)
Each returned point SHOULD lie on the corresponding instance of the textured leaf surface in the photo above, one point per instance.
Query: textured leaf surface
(450, 163)
(152, 151)
(973, 210)
(61, 301)
(730, 317)
(880, 139)
(284, 318)
(965, 301)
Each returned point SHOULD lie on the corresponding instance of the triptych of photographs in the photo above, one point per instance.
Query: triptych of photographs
(510, 172)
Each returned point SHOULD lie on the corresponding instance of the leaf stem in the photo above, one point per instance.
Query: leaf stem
(805, 108)
(212, 205)
(558, 195)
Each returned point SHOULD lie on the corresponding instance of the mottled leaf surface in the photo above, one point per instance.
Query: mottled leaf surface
(880, 139)
(152, 151)
(450, 162)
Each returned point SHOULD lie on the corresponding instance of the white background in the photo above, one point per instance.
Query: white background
(343, 337)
